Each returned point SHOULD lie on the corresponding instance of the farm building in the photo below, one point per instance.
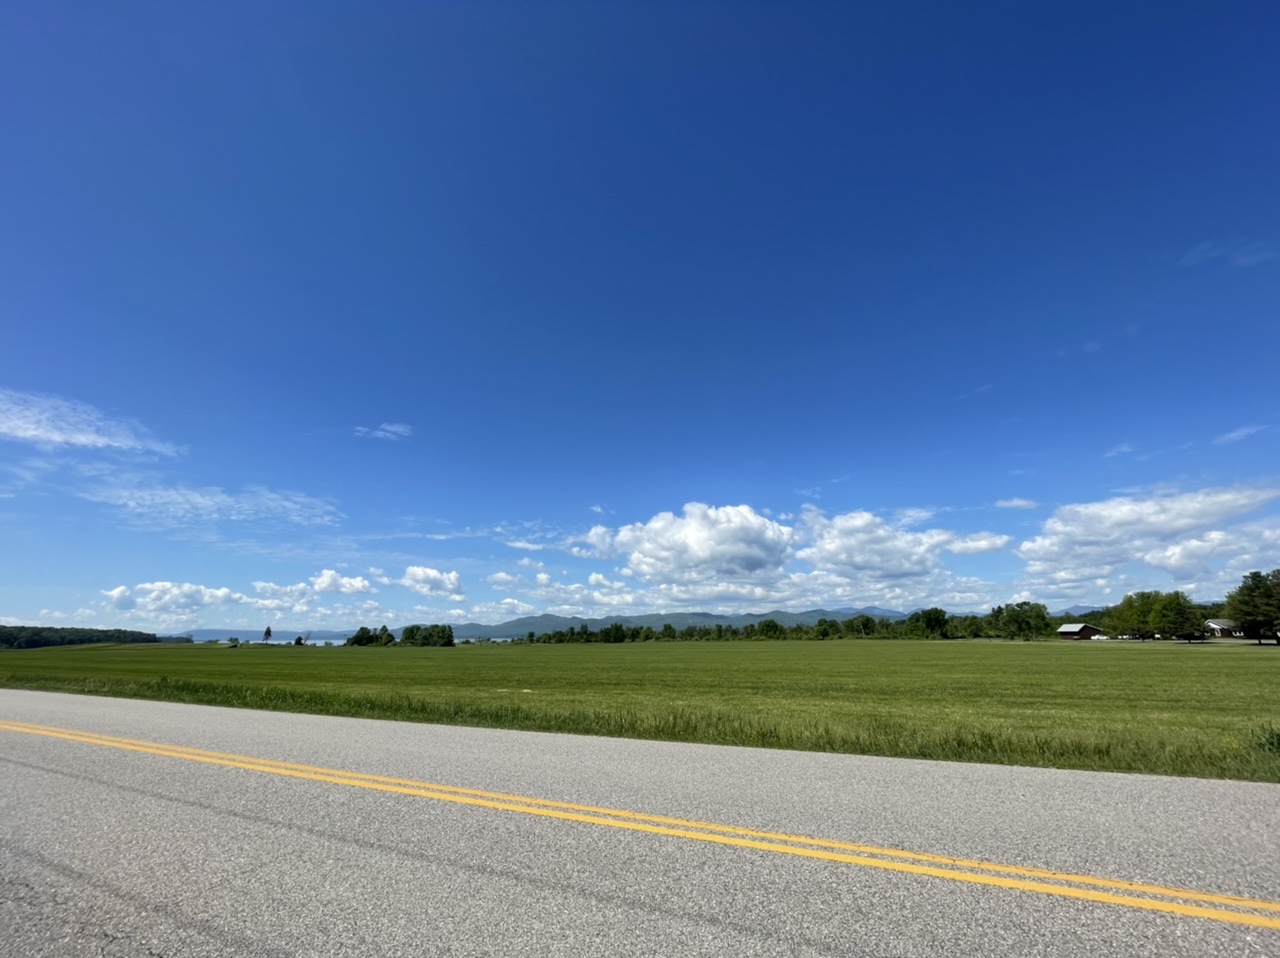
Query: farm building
(1221, 627)
(1078, 630)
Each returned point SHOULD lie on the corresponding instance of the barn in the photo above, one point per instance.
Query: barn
(1078, 630)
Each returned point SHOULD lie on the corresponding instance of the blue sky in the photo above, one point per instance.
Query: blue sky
(325, 314)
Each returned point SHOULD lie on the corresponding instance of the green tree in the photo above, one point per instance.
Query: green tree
(266, 635)
(437, 635)
(1025, 620)
(363, 636)
(860, 625)
(1134, 616)
(826, 629)
(1255, 605)
(1174, 616)
(934, 621)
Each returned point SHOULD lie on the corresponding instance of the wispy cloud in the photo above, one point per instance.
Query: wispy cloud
(1016, 504)
(176, 506)
(527, 546)
(1231, 253)
(390, 431)
(1118, 450)
(913, 516)
(53, 421)
(1244, 432)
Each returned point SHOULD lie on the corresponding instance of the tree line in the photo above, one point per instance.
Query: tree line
(1254, 607)
(439, 636)
(39, 636)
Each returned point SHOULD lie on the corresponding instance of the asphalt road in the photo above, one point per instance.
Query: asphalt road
(396, 839)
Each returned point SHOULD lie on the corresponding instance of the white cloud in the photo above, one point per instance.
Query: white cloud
(1017, 504)
(390, 431)
(599, 510)
(978, 542)
(427, 581)
(169, 605)
(493, 613)
(173, 600)
(1235, 252)
(905, 518)
(502, 580)
(120, 598)
(707, 542)
(327, 580)
(1203, 253)
(1244, 432)
(1187, 557)
(861, 544)
(1084, 547)
(1118, 450)
(182, 505)
(51, 421)
(597, 542)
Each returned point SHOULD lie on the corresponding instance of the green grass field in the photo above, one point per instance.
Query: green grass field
(1160, 708)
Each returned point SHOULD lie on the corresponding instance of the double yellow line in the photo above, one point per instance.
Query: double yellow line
(1176, 901)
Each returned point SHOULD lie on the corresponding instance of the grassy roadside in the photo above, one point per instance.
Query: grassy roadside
(1157, 708)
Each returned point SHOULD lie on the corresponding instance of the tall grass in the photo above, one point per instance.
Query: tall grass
(1158, 709)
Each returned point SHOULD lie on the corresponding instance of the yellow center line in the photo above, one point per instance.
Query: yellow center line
(897, 860)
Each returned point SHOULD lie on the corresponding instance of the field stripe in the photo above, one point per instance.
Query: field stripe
(897, 860)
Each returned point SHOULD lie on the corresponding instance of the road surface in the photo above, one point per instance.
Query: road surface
(146, 828)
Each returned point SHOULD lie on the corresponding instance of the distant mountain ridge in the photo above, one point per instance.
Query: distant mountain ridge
(540, 624)
(1078, 610)
(279, 636)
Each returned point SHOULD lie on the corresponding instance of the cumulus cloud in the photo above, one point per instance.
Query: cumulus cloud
(1017, 504)
(120, 598)
(327, 580)
(596, 543)
(978, 542)
(427, 581)
(1244, 432)
(502, 580)
(173, 604)
(390, 431)
(1083, 546)
(862, 546)
(171, 601)
(183, 505)
(707, 542)
(52, 421)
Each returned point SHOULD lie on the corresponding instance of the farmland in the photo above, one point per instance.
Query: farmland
(1161, 708)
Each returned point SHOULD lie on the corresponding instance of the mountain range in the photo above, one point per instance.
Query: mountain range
(539, 624)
